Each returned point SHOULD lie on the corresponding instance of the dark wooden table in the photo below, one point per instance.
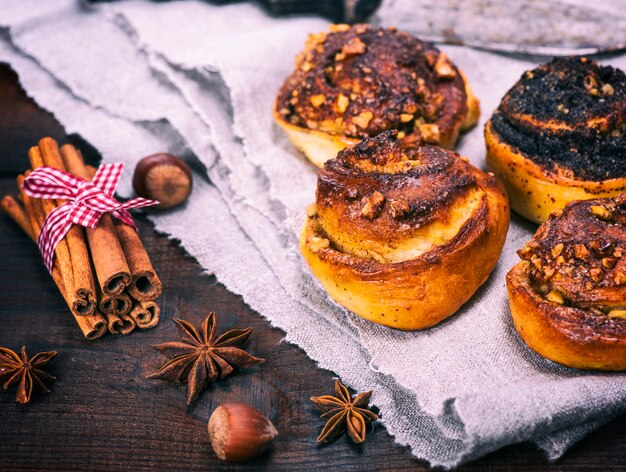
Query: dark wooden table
(104, 415)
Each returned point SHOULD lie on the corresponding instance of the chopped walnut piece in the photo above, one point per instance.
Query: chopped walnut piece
(373, 206)
(525, 253)
(536, 261)
(557, 250)
(354, 47)
(362, 120)
(617, 314)
(595, 274)
(430, 133)
(342, 103)
(548, 272)
(317, 100)
(316, 243)
(443, 67)
(338, 28)
(317, 38)
(399, 208)
(620, 278)
(580, 251)
(601, 212)
(306, 66)
(555, 297)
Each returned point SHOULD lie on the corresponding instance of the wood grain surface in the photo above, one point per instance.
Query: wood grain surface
(104, 415)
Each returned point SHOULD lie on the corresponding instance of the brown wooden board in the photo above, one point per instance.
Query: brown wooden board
(104, 415)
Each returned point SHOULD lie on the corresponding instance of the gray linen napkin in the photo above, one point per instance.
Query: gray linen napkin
(136, 78)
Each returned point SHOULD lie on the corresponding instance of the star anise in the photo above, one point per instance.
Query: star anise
(26, 372)
(344, 414)
(202, 357)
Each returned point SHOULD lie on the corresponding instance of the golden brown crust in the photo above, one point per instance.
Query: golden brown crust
(356, 82)
(568, 295)
(396, 226)
(559, 135)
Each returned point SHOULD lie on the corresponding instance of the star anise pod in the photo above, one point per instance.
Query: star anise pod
(344, 414)
(202, 356)
(25, 372)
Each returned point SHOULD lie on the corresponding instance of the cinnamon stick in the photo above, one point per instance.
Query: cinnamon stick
(107, 254)
(119, 304)
(129, 324)
(146, 314)
(92, 326)
(71, 253)
(120, 324)
(145, 284)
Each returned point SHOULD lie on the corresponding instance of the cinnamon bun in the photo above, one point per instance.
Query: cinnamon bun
(559, 135)
(403, 235)
(356, 81)
(568, 294)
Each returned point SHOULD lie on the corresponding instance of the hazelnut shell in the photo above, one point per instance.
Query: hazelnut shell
(163, 177)
(239, 432)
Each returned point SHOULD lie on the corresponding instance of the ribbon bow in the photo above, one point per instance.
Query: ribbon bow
(86, 202)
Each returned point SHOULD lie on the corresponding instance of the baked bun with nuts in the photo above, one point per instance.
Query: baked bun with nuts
(568, 294)
(355, 82)
(403, 235)
(559, 135)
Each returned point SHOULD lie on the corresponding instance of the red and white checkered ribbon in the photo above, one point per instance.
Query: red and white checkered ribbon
(86, 202)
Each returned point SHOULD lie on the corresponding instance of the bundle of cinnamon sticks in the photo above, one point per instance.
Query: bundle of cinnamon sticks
(103, 273)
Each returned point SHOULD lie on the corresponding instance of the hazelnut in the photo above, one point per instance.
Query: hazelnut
(163, 177)
(239, 432)
(608, 262)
